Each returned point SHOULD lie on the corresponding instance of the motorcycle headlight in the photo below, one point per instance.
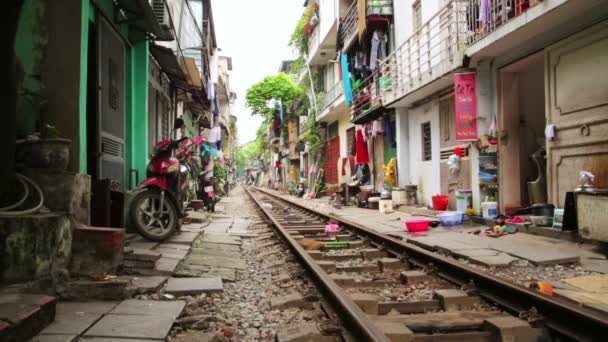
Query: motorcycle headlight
(173, 168)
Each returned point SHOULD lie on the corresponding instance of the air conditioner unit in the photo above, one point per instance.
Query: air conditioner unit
(161, 14)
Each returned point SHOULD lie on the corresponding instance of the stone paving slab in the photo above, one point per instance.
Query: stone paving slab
(193, 286)
(55, 338)
(141, 244)
(104, 339)
(145, 284)
(227, 274)
(217, 246)
(217, 253)
(498, 260)
(74, 323)
(149, 308)
(132, 326)
(185, 238)
(206, 260)
(166, 266)
(86, 307)
(227, 240)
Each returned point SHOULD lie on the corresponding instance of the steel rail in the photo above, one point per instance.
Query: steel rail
(360, 324)
(573, 322)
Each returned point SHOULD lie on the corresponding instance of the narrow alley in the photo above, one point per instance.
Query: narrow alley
(304, 170)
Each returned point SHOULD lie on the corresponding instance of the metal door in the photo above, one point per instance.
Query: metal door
(111, 111)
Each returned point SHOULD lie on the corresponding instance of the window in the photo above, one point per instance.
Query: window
(350, 142)
(426, 142)
(332, 130)
(417, 14)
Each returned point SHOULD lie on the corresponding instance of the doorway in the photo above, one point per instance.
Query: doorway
(522, 175)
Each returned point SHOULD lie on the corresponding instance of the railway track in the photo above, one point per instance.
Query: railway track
(384, 289)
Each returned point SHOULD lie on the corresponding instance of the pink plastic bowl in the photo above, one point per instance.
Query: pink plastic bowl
(417, 225)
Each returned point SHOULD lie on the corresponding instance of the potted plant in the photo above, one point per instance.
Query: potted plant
(43, 149)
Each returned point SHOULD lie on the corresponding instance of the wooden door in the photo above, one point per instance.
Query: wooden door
(332, 155)
(111, 110)
(509, 172)
(577, 104)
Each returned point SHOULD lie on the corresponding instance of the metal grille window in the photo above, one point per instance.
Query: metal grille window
(332, 130)
(350, 141)
(426, 142)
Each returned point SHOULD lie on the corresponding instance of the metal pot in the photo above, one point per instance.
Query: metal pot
(50, 154)
(385, 195)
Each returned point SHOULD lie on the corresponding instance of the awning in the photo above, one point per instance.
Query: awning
(201, 112)
(193, 76)
(140, 15)
(168, 62)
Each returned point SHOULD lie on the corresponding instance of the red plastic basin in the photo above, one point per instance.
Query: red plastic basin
(417, 225)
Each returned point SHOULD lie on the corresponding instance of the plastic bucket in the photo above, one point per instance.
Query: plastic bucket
(452, 218)
(417, 225)
(464, 200)
(489, 209)
(440, 202)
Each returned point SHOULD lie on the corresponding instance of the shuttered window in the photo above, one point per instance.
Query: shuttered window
(426, 142)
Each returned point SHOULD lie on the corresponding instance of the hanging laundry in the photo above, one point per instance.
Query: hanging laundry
(377, 128)
(348, 90)
(362, 156)
(350, 163)
(378, 52)
(210, 90)
(281, 110)
(216, 109)
(484, 12)
(388, 130)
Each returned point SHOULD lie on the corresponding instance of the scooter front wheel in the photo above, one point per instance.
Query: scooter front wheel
(154, 215)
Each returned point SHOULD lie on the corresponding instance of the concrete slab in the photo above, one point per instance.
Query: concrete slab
(476, 252)
(149, 308)
(173, 246)
(185, 238)
(145, 284)
(220, 246)
(140, 244)
(206, 260)
(227, 274)
(74, 323)
(499, 260)
(227, 240)
(193, 286)
(217, 253)
(166, 266)
(132, 326)
(103, 339)
(85, 307)
(55, 338)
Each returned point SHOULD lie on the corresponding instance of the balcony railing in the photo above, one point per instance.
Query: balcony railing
(313, 41)
(485, 16)
(348, 27)
(436, 48)
(367, 96)
(332, 94)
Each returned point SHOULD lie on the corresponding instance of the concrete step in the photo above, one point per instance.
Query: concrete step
(22, 316)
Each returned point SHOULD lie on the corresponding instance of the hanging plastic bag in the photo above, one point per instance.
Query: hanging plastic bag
(454, 164)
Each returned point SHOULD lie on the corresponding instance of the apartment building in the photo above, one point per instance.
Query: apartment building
(514, 88)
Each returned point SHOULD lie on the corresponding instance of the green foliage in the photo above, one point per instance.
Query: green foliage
(246, 155)
(299, 39)
(263, 96)
(220, 177)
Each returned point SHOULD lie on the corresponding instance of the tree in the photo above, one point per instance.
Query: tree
(263, 97)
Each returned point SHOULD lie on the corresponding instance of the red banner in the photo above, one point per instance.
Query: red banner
(465, 94)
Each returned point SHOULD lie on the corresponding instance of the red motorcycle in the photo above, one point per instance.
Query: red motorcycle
(157, 209)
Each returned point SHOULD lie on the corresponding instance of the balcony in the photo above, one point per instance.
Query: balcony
(332, 94)
(434, 50)
(348, 26)
(523, 26)
(367, 99)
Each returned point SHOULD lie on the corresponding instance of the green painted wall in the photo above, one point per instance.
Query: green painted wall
(137, 129)
(88, 15)
(30, 45)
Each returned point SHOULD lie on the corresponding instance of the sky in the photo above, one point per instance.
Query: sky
(255, 34)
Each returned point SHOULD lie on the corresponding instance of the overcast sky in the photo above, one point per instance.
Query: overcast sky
(255, 34)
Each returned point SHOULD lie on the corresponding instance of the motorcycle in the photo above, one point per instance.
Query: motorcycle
(158, 207)
(207, 190)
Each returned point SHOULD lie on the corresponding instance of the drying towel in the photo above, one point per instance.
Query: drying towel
(348, 88)
(484, 11)
(362, 156)
(388, 130)
(350, 161)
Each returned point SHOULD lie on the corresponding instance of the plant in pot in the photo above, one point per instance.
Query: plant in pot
(43, 149)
